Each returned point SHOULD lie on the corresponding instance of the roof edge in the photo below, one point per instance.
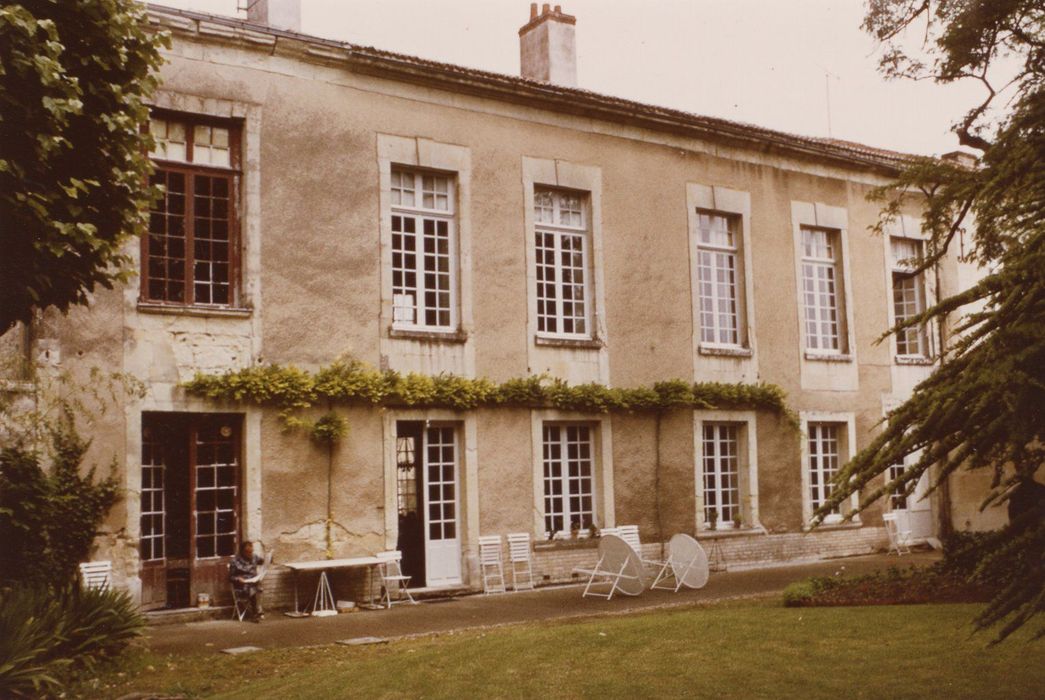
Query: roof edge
(556, 98)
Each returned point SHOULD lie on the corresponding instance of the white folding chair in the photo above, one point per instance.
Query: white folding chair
(392, 579)
(618, 566)
(520, 560)
(96, 574)
(630, 534)
(686, 565)
(240, 601)
(899, 540)
(490, 564)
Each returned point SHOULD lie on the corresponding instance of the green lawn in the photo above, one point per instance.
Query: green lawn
(730, 651)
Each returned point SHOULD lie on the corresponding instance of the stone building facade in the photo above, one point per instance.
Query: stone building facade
(328, 200)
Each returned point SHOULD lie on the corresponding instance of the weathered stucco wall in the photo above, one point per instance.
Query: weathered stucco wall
(315, 135)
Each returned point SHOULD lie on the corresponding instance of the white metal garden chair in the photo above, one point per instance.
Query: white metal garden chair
(490, 564)
(630, 534)
(618, 566)
(686, 565)
(520, 559)
(96, 574)
(899, 540)
(393, 583)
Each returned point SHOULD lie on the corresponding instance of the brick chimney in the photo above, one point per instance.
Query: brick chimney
(278, 14)
(547, 49)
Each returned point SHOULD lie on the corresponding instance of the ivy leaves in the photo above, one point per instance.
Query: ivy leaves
(355, 383)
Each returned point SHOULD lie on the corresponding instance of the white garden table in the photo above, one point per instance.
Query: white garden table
(324, 599)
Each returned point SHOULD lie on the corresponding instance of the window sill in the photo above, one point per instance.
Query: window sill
(582, 343)
(706, 534)
(205, 311)
(555, 545)
(827, 357)
(724, 351)
(854, 524)
(457, 336)
(914, 360)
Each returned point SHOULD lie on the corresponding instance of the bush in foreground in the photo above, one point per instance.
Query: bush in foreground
(44, 636)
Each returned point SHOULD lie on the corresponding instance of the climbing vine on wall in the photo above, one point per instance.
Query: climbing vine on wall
(351, 382)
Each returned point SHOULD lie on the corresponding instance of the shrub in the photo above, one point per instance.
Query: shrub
(891, 587)
(48, 522)
(44, 636)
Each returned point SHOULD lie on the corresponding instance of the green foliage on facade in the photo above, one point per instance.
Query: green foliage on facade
(73, 76)
(355, 383)
(984, 408)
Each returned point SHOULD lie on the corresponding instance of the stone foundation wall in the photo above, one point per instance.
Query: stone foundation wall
(553, 563)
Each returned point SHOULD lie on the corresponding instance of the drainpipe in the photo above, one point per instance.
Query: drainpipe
(656, 482)
(330, 492)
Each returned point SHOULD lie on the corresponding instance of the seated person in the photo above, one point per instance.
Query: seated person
(243, 568)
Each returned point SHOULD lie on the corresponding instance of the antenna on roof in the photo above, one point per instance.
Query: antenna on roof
(827, 85)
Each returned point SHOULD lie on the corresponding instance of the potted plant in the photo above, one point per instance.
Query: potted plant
(737, 522)
(713, 519)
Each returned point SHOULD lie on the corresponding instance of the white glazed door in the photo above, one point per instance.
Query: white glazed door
(442, 531)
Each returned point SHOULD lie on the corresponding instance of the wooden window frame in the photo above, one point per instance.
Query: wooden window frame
(189, 170)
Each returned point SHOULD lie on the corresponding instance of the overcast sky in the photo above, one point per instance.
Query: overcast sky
(766, 62)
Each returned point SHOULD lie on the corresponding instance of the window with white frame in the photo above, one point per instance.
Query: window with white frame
(721, 473)
(898, 496)
(569, 478)
(153, 505)
(908, 296)
(821, 290)
(562, 248)
(824, 456)
(719, 278)
(424, 255)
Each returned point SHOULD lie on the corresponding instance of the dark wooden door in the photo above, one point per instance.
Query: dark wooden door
(152, 547)
(190, 506)
(215, 473)
(410, 496)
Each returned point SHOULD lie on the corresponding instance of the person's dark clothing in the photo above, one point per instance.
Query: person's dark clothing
(241, 567)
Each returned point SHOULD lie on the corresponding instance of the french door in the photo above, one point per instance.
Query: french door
(429, 502)
(190, 506)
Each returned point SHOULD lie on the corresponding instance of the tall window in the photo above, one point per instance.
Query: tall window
(821, 284)
(721, 469)
(563, 290)
(908, 296)
(217, 483)
(898, 496)
(719, 279)
(191, 253)
(568, 478)
(823, 461)
(424, 256)
(153, 502)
